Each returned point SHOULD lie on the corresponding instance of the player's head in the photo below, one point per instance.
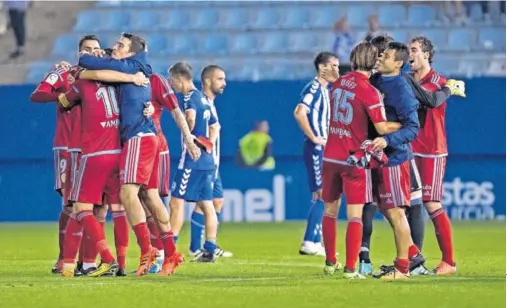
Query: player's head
(393, 58)
(128, 45)
(180, 76)
(89, 43)
(325, 60)
(213, 78)
(261, 126)
(363, 57)
(381, 41)
(421, 53)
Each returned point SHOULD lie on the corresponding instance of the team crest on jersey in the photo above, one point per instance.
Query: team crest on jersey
(52, 79)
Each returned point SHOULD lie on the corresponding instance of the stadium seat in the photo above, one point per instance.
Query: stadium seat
(438, 37)
(244, 43)
(476, 14)
(88, 21)
(116, 21)
(492, 38)
(324, 17)
(399, 35)
(421, 16)
(446, 65)
(236, 19)
(144, 20)
(460, 40)
(215, 44)
(392, 15)
(296, 18)
(266, 19)
(205, 19)
(64, 45)
(358, 15)
(157, 44)
(183, 44)
(175, 19)
(275, 42)
(303, 42)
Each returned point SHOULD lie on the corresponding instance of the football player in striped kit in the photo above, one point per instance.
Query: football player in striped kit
(312, 115)
(213, 84)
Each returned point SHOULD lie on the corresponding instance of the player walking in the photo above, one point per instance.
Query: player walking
(312, 115)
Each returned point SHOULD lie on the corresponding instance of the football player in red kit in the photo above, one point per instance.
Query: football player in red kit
(354, 102)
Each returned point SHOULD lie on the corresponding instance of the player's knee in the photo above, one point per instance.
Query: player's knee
(432, 206)
(331, 208)
(83, 207)
(218, 204)
(354, 211)
(176, 204)
(117, 207)
(67, 210)
(197, 209)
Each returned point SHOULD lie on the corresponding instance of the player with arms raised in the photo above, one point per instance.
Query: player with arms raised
(354, 101)
(430, 149)
(312, 116)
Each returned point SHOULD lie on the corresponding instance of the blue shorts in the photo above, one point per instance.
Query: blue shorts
(193, 185)
(312, 156)
(218, 189)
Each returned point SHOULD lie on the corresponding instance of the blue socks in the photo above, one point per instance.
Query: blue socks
(196, 230)
(314, 222)
(209, 246)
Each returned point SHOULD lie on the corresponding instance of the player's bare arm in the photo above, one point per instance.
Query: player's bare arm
(113, 76)
(384, 128)
(214, 132)
(190, 117)
(300, 113)
(188, 138)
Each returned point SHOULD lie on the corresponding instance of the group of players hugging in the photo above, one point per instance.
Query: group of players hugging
(110, 153)
(377, 135)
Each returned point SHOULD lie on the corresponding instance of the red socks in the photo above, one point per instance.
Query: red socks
(73, 234)
(121, 236)
(402, 265)
(62, 225)
(88, 249)
(353, 241)
(443, 231)
(329, 234)
(154, 233)
(96, 234)
(143, 237)
(167, 239)
(413, 251)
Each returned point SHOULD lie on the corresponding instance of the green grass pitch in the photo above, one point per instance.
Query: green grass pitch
(266, 271)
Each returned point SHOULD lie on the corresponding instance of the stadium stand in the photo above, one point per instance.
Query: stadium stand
(274, 32)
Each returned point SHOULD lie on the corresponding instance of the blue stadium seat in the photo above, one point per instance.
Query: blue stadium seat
(275, 42)
(460, 40)
(266, 19)
(175, 19)
(88, 21)
(244, 43)
(144, 20)
(183, 44)
(421, 15)
(358, 15)
(392, 15)
(109, 3)
(303, 42)
(157, 44)
(476, 12)
(446, 65)
(64, 45)
(206, 19)
(215, 44)
(438, 37)
(324, 17)
(399, 35)
(116, 21)
(280, 72)
(296, 18)
(492, 38)
(236, 19)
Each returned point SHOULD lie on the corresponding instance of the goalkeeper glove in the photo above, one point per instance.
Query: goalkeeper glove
(457, 87)
(204, 144)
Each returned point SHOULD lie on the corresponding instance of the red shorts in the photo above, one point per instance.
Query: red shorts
(432, 170)
(394, 186)
(355, 183)
(163, 173)
(60, 158)
(98, 176)
(70, 175)
(139, 161)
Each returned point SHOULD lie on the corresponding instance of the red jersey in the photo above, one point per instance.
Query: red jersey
(354, 101)
(99, 115)
(53, 84)
(75, 129)
(432, 139)
(162, 95)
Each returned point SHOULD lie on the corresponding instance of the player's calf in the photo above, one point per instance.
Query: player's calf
(353, 236)
(211, 227)
(329, 232)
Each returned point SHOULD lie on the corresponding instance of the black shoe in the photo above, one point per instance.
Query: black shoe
(16, 54)
(205, 257)
(417, 261)
(121, 272)
(364, 256)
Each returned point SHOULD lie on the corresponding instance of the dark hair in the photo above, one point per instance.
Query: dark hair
(90, 37)
(323, 58)
(381, 41)
(401, 51)
(137, 43)
(208, 70)
(426, 46)
(363, 56)
(183, 69)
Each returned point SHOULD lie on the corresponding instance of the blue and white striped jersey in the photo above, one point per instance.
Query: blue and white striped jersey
(316, 98)
(216, 146)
